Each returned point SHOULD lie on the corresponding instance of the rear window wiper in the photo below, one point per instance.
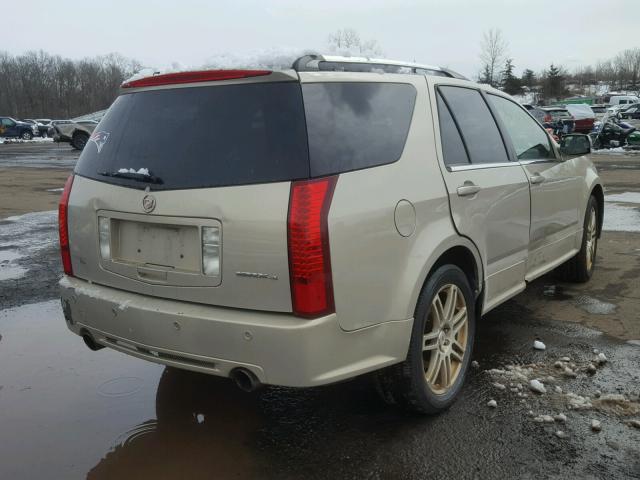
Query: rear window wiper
(138, 177)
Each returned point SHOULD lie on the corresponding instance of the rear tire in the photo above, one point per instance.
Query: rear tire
(79, 140)
(580, 268)
(440, 349)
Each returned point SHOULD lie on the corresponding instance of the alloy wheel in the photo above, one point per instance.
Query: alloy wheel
(592, 238)
(445, 339)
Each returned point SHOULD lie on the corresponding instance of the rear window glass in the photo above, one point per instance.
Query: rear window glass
(202, 137)
(356, 125)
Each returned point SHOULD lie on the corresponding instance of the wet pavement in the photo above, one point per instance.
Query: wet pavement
(67, 412)
(40, 154)
(29, 258)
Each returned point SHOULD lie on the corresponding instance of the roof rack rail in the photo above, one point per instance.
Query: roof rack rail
(334, 63)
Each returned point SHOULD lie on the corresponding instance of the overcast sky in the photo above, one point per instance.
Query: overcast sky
(447, 32)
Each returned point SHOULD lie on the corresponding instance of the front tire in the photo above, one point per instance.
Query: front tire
(580, 268)
(79, 140)
(26, 136)
(433, 374)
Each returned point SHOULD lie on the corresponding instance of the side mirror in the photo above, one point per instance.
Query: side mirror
(575, 144)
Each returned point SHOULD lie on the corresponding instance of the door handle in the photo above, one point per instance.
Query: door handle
(468, 189)
(536, 179)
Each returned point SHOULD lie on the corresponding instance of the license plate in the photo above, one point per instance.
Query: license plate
(168, 246)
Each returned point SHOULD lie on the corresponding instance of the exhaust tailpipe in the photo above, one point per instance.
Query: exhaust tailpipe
(90, 342)
(245, 379)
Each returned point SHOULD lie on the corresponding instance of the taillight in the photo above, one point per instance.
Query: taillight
(308, 240)
(194, 77)
(63, 226)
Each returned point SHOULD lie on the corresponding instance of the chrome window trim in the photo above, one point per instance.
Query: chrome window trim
(478, 166)
(541, 160)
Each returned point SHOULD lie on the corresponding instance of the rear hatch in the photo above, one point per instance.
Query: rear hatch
(183, 192)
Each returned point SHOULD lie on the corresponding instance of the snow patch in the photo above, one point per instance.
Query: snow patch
(578, 402)
(11, 272)
(562, 418)
(625, 197)
(277, 59)
(544, 419)
(537, 386)
(24, 236)
(621, 218)
(607, 151)
(538, 345)
(140, 171)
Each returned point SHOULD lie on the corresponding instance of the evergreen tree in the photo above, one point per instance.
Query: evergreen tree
(554, 84)
(485, 76)
(510, 83)
(528, 78)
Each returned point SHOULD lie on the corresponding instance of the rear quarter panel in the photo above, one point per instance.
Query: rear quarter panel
(378, 273)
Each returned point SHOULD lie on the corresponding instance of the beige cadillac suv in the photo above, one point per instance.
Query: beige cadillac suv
(306, 226)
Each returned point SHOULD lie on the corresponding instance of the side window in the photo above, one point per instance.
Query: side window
(477, 126)
(453, 149)
(529, 140)
(352, 126)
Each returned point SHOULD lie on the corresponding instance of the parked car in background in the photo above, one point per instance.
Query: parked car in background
(75, 133)
(228, 246)
(599, 110)
(42, 129)
(583, 117)
(12, 128)
(630, 112)
(52, 131)
(537, 112)
(559, 115)
(623, 100)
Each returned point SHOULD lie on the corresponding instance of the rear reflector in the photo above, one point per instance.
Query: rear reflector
(308, 240)
(211, 251)
(63, 226)
(194, 77)
(104, 237)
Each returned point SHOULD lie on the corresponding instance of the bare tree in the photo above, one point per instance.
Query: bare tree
(493, 51)
(347, 41)
(40, 85)
(627, 65)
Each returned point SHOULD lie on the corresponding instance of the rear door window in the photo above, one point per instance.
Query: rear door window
(453, 149)
(352, 126)
(198, 137)
(477, 126)
(529, 140)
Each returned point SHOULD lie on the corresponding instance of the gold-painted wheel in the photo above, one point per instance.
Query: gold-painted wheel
(445, 339)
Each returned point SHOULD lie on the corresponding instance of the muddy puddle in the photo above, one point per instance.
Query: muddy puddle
(587, 303)
(67, 412)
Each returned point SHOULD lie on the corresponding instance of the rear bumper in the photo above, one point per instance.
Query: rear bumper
(279, 349)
